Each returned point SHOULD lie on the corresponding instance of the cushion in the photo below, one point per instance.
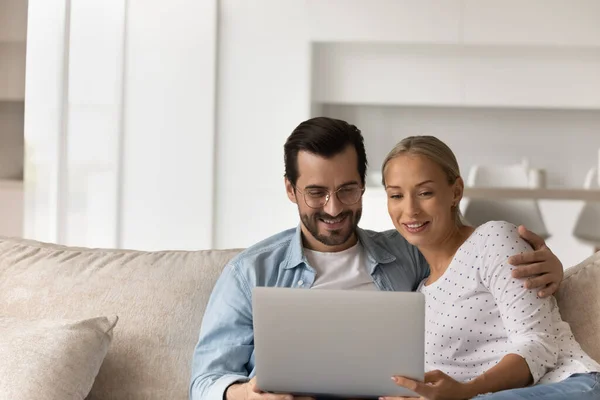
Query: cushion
(579, 302)
(51, 359)
(159, 297)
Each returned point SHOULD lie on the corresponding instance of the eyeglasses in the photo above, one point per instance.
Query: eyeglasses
(318, 197)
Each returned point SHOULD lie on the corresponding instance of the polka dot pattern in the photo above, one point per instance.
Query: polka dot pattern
(477, 313)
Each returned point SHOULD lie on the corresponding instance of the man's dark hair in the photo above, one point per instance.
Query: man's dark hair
(325, 137)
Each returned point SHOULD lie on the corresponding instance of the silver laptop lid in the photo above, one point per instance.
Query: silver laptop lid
(337, 342)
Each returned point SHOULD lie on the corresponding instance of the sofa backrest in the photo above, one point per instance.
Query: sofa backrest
(579, 303)
(159, 297)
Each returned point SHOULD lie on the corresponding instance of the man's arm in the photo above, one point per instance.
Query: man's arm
(540, 267)
(220, 362)
(226, 338)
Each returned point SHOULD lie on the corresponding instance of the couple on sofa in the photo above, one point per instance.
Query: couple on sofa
(485, 283)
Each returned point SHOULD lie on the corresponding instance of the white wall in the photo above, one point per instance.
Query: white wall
(263, 94)
(169, 124)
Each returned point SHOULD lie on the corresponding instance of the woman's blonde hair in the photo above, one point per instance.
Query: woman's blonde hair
(435, 150)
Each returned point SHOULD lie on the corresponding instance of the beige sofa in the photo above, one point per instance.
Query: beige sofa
(160, 297)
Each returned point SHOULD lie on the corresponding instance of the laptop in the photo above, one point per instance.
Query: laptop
(337, 343)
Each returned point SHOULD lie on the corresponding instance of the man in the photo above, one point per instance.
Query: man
(325, 169)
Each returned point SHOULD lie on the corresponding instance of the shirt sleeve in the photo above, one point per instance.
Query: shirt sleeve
(527, 318)
(226, 339)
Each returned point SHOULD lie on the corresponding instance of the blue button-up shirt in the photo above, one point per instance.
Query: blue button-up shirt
(225, 350)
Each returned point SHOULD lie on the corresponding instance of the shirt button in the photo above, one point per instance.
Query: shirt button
(300, 282)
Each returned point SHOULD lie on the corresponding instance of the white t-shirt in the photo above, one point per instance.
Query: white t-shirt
(477, 313)
(345, 269)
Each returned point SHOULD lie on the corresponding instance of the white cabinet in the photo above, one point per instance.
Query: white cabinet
(382, 73)
(535, 53)
(488, 22)
(400, 21)
(532, 22)
(474, 53)
(531, 77)
(456, 75)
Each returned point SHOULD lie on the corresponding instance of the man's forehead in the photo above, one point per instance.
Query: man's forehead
(340, 159)
(315, 170)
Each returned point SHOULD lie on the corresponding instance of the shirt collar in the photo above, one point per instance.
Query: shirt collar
(295, 253)
(375, 253)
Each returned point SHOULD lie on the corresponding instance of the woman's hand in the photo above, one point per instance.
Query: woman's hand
(437, 386)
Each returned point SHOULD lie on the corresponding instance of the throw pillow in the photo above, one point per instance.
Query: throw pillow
(51, 359)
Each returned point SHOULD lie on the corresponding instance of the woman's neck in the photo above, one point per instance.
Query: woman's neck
(440, 254)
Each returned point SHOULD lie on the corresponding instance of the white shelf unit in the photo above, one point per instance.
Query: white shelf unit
(457, 75)
(489, 22)
(13, 39)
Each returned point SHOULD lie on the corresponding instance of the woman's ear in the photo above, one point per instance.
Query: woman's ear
(459, 187)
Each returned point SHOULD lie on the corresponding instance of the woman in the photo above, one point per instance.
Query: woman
(485, 333)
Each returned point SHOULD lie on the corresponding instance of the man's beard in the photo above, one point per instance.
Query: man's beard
(334, 237)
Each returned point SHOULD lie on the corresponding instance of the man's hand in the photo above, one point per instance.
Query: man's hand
(542, 269)
(250, 391)
(437, 386)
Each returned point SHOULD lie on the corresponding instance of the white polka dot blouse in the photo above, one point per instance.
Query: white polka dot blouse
(477, 313)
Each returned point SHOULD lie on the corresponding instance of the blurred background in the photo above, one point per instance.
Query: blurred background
(151, 125)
